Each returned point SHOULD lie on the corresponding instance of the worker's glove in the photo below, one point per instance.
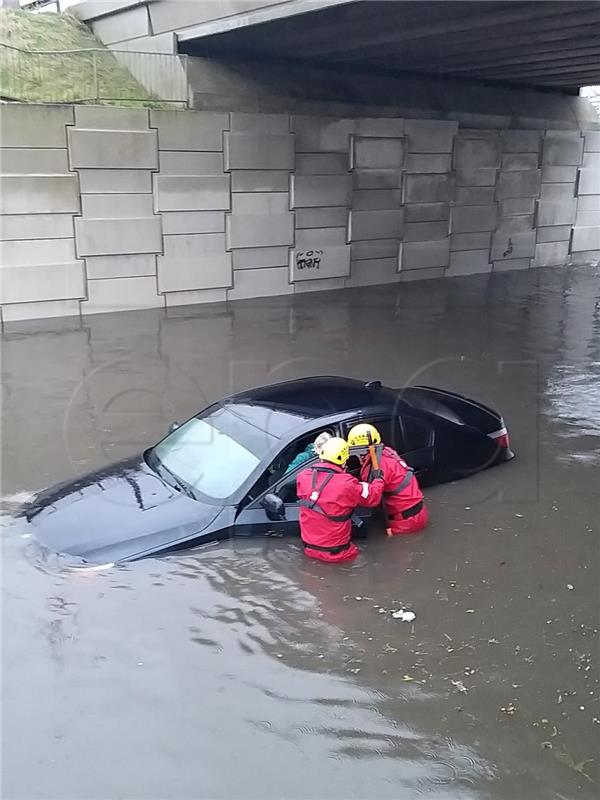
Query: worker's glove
(376, 474)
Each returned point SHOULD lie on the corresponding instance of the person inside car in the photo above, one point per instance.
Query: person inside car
(311, 450)
(402, 497)
(328, 497)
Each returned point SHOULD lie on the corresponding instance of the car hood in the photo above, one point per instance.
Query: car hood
(118, 513)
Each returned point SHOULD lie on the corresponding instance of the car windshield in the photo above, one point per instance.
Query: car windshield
(215, 454)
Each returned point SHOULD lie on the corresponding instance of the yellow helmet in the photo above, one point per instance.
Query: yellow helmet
(363, 435)
(336, 451)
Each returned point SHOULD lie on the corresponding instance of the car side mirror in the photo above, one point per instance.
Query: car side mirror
(173, 427)
(274, 507)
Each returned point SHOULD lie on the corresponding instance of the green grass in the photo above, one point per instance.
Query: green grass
(66, 77)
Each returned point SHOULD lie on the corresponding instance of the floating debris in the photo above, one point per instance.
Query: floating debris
(570, 587)
(404, 616)
(510, 710)
(460, 687)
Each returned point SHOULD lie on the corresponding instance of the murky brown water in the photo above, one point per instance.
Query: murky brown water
(245, 670)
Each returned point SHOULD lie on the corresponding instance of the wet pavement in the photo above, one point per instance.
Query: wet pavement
(243, 670)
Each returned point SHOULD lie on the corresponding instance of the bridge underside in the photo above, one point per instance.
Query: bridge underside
(553, 45)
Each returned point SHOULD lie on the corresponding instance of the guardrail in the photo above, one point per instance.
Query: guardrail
(94, 75)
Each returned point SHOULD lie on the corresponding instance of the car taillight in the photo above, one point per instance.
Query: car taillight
(501, 438)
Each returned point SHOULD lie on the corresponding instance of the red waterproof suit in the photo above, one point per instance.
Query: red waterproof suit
(328, 496)
(402, 496)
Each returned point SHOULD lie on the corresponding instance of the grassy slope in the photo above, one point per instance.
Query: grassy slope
(60, 78)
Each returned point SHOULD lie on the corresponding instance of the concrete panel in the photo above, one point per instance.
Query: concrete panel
(195, 297)
(192, 193)
(470, 262)
(592, 142)
(432, 273)
(518, 184)
(427, 188)
(260, 283)
(517, 224)
(120, 266)
(373, 153)
(471, 219)
(376, 126)
(377, 179)
(507, 245)
(474, 195)
(373, 273)
(261, 257)
(424, 231)
(35, 125)
(264, 123)
(182, 162)
(583, 219)
(313, 191)
(556, 233)
(430, 136)
(517, 205)
(111, 206)
(196, 261)
(430, 162)
(589, 181)
(17, 312)
(521, 141)
(477, 153)
(377, 248)
(121, 294)
(471, 241)
(28, 284)
(39, 194)
(254, 230)
(105, 181)
(29, 161)
(259, 151)
(193, 222)
(549, 213)
(511, 265)
(585, 239)
(112, 149)
(519, 162)
(585, 258)
(591, 161)
(335, 217)
(324, 262)
(312, 238)
(551, 254)
(36, 226)
(323, 285)
(556, 192)
(376, 224)
(260, 203)
(111, 118)
(374, 199)
(252, 180)
(120, 27)
(322, 163)
(562, 148)
(322, 134)
(424, 255)
(189, 130)
(427, 212)
(485, 176)
(108, 237)
(559, 174)
(37, 251)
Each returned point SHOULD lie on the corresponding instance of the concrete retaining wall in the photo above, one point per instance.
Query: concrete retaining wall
(108, 209)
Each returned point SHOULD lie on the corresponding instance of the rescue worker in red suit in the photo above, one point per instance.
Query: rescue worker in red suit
(328, 497)
(402, 497)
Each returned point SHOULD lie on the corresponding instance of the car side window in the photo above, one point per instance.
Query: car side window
(416, 433)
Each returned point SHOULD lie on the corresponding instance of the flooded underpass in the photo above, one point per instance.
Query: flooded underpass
(244, 670)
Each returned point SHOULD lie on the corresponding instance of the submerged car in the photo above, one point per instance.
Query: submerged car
(223, 472)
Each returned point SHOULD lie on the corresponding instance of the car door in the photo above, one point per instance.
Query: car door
(416, 443)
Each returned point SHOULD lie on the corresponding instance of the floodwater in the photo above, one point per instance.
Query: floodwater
(245, 670)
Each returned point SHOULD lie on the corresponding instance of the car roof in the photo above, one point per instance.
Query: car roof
(319, 395)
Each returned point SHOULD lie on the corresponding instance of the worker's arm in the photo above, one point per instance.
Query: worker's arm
(369, 494)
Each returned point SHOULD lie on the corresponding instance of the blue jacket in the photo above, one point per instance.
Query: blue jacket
(301, 458)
